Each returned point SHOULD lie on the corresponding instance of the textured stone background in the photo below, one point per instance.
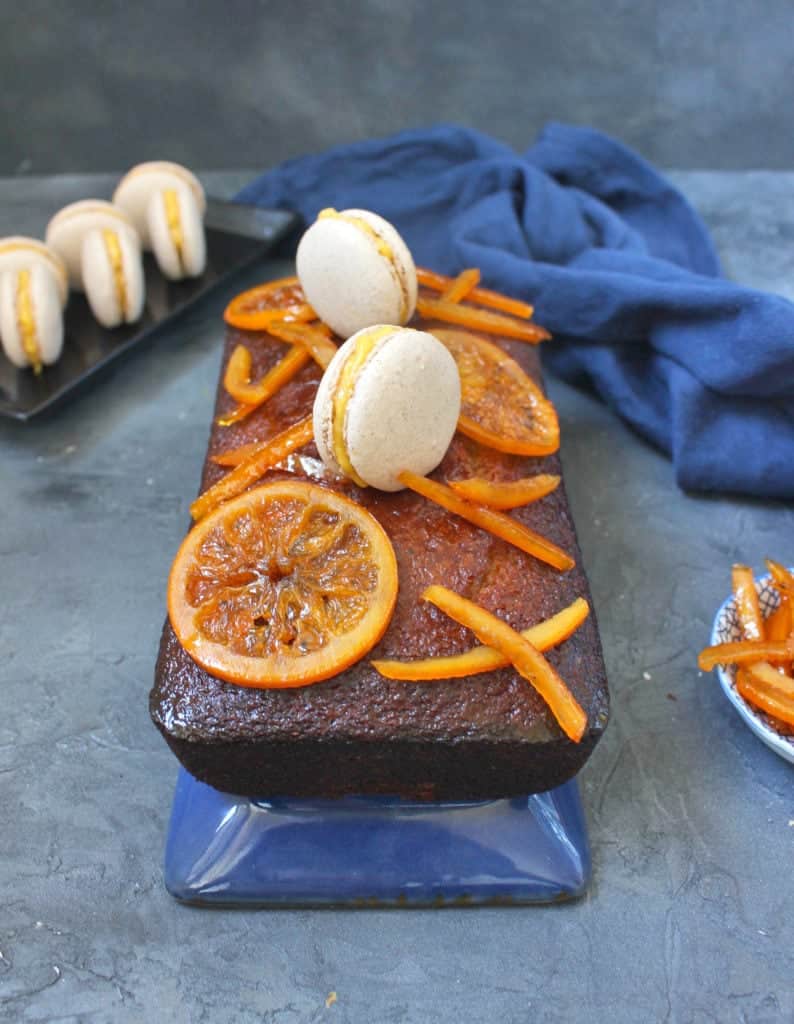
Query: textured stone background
(99, 84)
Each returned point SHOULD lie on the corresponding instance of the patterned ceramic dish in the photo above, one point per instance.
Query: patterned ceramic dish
(726, 629)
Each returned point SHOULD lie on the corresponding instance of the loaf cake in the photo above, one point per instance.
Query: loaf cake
(482, 737)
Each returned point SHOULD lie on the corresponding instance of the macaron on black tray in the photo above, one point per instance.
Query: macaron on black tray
(236, 236)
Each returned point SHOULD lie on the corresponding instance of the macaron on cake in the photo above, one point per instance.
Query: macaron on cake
(389, 401)
(101, 249)
(31, 318)
(166, 203)
(356, 271)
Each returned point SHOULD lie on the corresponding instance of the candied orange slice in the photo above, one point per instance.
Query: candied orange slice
(747, 606)
(506, 494)
(258, 459)
(314, 338)
(546, 634)
(251, 396)
(482, 296)
(497, 523)
(461, 287)
(776, 704)
(525, 659)
(286, 586)
(257, 308)
(501, 407)
(481, 320)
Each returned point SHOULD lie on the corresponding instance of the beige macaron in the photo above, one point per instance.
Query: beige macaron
(20, 253)
(135, 190)
(356, 271)
(68, 228)
(176, 233)
(388, 401)
(112, 271)
(31, 316)
(166, 203)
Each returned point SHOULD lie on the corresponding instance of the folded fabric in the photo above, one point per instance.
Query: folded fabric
(618, 266)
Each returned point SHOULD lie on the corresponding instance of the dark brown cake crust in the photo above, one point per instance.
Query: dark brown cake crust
(484, 737)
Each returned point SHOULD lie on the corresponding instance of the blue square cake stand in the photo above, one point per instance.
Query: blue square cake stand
(225, 850)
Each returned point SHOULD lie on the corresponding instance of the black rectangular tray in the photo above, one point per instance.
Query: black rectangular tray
(89, 347)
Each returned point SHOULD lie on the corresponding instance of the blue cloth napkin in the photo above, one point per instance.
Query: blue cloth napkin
(618, 266)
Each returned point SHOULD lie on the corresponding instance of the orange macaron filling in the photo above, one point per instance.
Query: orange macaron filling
(344, 392)
(27, 321)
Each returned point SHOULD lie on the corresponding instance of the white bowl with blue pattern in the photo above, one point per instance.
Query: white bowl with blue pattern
(726, 629)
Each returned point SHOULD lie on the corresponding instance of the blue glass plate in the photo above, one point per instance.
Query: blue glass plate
(367, 851)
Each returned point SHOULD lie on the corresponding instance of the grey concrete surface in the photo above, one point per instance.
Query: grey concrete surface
(690, 916)
(99, 85)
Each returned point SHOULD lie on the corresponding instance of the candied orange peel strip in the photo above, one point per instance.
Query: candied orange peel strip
(744, 652)
(251, 396)
(526, 659)
(544, 635)
(778, 625)
(767, 676)
(259, 460)
(483, 296)
(234, 456)
(497, 523)
(461, 287)
(747, 605)
(505, 494)
(265, 318)
(776, 704)
(272, 302)
(481, 320)
(784, 581)
(314, 338)
(238, 372)
(239, 412)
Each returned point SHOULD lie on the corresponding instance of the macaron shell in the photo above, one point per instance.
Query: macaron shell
(68, 228)
(193, 258)
(323, 405)
(45, 301)
(403, 260)
(349, 283)
(18, 252)
(101, 287)
(135, 190)
(404, 409)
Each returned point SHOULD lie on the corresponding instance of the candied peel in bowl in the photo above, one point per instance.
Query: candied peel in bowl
(727, 629)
